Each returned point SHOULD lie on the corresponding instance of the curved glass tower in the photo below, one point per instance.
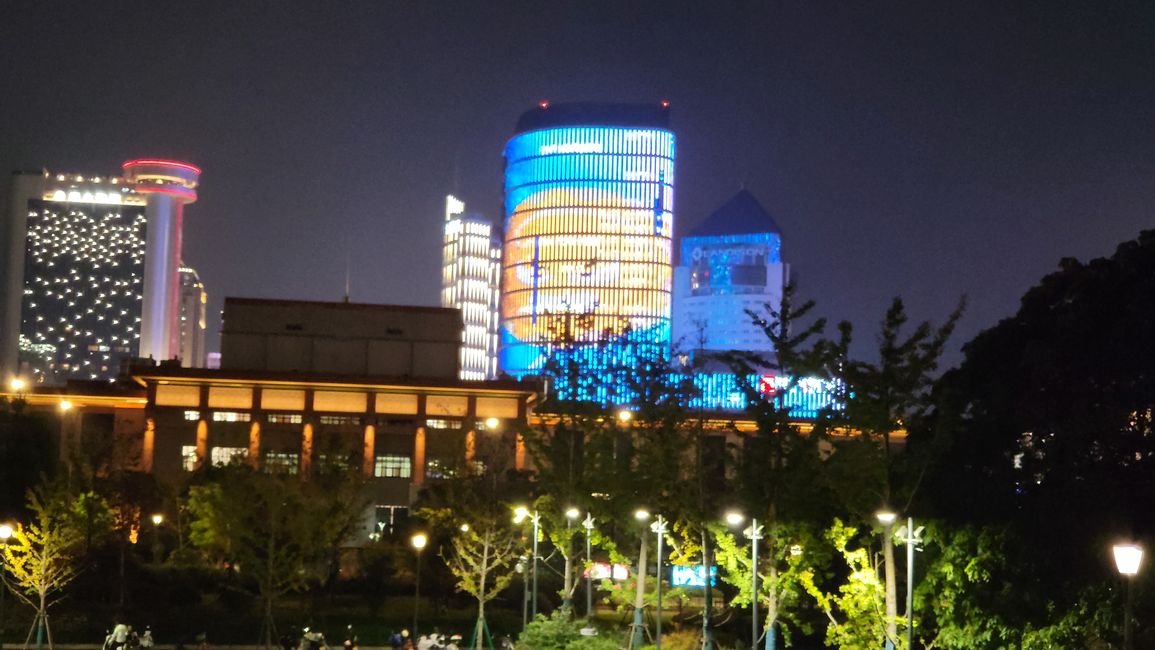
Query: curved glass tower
(589, 204)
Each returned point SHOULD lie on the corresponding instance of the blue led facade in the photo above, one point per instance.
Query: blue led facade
(587, 252)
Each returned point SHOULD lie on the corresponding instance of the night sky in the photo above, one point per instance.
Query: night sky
(917, 149)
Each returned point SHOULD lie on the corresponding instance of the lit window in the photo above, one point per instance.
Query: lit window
(192, 416)
(231, 416)
(435, 468)
(340, 420)
(284, 418)
(222, 456)
(188, 457)
(393, 466)
(443, 424)
(281, 462)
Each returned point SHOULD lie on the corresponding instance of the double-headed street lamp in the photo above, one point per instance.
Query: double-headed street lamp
(753, 533)
(588, 525)
(911, 537)
(419, 541)
(1128, 558)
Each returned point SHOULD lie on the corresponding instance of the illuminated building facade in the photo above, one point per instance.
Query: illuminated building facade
(193, 309)
(90, 270)
(470, 277)
(730, 265)
(589, 205)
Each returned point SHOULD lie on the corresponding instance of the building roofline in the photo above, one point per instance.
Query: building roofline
(235, 300)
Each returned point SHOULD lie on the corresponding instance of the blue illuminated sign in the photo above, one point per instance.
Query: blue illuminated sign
(692, 576)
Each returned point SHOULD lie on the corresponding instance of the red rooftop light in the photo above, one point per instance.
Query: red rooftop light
(154, 161)
(543, 103)
(665, 104)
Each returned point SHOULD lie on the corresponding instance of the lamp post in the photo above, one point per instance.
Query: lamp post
(910, 536)
(753, 533)
(588, 525)
(157, 520)
(659, 528)
(5, 534)
(1128, 558)
(887, 518)
(521, 513)
(419, 540)
(638, 627)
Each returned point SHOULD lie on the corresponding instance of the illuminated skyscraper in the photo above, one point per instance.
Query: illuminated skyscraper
(193, 308)
(589, 204)
(470, 273)
(79, 250)
(730, 264)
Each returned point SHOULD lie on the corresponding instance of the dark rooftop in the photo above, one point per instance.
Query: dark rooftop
(546, 115)
(741, 215)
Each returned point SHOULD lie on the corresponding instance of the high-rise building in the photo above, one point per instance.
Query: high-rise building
(91, 270)
(730, 265)
(470, 277)
(589, 204)
(193, 309)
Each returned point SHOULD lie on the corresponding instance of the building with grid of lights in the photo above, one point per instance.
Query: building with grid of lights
(470, 276)
(91, 270)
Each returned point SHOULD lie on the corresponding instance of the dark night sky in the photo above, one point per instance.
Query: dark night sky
(919, 148)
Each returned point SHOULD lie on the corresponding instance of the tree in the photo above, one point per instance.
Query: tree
(482, 561)
(279, 532)
(777, 462)
(28, 453)
(41, 558)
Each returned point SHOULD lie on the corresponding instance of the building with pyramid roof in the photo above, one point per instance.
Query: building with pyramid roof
(730, 264)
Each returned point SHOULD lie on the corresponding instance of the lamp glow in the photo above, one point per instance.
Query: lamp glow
(5, 532)
(65, 405)
(1128, 558)
(491, 423)
(17, 385)
(419, 540)
(734, 518)
(625, 416)
(157, 519)
(641, 514)
(886, 517)
(465, 528)
(573, 513)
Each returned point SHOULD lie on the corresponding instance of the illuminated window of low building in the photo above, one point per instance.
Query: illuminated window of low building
(188, 457)
(284, 418)
(232, 416)
(443, 424)
(393, 466)
(192, 416)
(281, 462)
(436, 468)
(222, 456)
(340, 420)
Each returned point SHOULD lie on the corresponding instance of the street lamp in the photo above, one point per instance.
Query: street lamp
(1128, 558)
(157, 520)
(491, 423)
(625, 416)
(637, 629)
(17, 384)
(5, 535)
(887, 517)
(910, 536)
(521, 513)
(65, 405)
(419, 540)
(659, 528)
(570, 515)
(588, 524)
(753, 533)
